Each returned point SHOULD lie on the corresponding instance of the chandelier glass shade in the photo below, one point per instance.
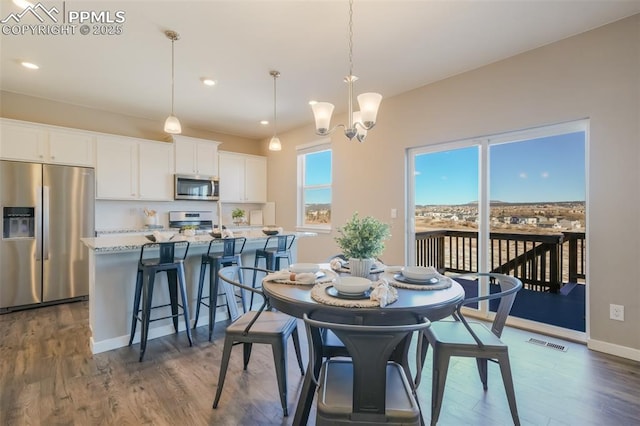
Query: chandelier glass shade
(359, 122)
(172, 124)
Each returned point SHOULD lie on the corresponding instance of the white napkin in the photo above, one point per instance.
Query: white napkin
(383, 293)
(227, 233)
(284, 275)
(377, 265)
(337, 263)
(161, 237)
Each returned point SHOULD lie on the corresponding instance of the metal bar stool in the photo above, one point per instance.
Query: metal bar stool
(230, 255)
(145, 279)
(272, 253)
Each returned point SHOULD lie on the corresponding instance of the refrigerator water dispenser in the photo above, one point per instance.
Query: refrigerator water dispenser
(18, 222)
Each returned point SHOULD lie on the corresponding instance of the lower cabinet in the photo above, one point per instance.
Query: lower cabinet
(133, 169)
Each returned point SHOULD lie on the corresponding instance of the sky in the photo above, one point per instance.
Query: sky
(543, 169)
(318, 172)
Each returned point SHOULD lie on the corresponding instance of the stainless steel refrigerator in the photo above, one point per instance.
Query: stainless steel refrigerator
(45, 209)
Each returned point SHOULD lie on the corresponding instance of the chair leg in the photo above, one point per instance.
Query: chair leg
(507, 379)
(185, 302)
(440, 367)
(136, 305)
(423, 357)
(280, 361)
(213, 296)
(482, 370)
(296, 346)
(147, 295)
(246, 354)
(203, 270)
(226, 354)
(172, 282)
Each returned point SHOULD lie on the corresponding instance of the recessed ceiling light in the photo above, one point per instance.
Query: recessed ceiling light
(29, 65)
(23, 4)
(264, 122)
(208, 82)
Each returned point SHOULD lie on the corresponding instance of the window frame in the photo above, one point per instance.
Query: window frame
(301, 154)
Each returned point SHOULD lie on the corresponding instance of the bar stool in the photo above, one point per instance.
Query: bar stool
(145, 279)
(230, 255)
(272, 253)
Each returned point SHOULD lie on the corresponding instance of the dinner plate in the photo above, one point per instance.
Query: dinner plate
(332, 291)
(403, 279)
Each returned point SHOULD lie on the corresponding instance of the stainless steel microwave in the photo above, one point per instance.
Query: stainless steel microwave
(197, 187)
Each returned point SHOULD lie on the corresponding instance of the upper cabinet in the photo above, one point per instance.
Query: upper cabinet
(243, 178)
(39, 143)
(195, 156)
(133, 169)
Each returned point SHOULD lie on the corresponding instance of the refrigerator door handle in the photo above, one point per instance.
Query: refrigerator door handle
(38, 219)
(45, 223)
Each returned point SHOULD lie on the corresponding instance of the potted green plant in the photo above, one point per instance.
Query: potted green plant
(237, 215)
(361, 241)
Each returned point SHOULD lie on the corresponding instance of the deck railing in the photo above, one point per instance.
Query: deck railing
(543, 262)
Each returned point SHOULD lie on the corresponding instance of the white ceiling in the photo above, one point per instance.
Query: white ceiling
(397, 46)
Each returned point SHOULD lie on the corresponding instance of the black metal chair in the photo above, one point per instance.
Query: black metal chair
(368, 388)
(231, 254)
(148, 267)
(473, 339)
(261, 326)
(276, 248)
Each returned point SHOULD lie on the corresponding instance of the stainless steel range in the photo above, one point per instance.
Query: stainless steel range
(202, 220)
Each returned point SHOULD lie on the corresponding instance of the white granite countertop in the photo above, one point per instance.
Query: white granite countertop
(119, 243)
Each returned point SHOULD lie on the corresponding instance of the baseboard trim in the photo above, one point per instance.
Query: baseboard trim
(613, 349)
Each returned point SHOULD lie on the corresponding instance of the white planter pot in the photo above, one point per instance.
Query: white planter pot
(361, 267)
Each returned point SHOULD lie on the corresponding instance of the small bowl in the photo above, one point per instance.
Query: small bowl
(215, 234)
(352, 285)
(270, 231)
(420, 273)
(299, 268)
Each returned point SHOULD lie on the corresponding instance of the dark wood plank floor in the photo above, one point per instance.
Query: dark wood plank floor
(49, 377)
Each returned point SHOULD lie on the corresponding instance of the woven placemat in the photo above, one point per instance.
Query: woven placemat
(319, 294)
(444, 282)
(329, 277)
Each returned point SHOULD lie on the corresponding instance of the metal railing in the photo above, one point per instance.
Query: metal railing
(543, 262)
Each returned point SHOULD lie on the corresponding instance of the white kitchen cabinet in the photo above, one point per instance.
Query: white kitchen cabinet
(116, 168)
(73, 148)
(155, 171)
(133, 169)
(243, 178)
(40, 143)
(195, 156)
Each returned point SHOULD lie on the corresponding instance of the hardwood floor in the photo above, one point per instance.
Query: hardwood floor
(49, 377)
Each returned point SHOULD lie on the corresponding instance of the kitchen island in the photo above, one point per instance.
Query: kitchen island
(113, 263)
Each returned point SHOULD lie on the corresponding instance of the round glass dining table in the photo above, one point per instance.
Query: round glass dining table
(410, 307)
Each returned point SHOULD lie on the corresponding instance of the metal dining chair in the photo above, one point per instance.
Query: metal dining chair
(367, 388)
(472, 339)
(256, 326)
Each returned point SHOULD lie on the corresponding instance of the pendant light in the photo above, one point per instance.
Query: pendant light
(274, 143)
(359, 121)
(172, 124)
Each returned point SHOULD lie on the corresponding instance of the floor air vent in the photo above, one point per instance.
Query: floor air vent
(547, 344)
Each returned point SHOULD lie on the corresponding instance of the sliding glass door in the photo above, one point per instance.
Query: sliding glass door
(513, 203)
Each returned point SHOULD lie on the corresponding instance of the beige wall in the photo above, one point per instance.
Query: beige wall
(594, 75)
(39, 110)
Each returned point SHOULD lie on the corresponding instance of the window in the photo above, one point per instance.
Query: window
(314, 186)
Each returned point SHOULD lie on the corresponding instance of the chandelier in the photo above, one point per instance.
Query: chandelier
(359, 121)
